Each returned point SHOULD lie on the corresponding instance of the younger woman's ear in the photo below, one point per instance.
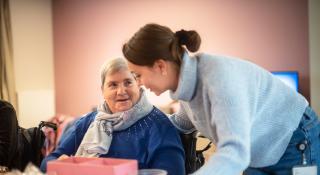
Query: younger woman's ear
(161, 64)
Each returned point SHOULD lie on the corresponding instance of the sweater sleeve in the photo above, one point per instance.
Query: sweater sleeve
(181, 121)
(165, 150)
(230, 116)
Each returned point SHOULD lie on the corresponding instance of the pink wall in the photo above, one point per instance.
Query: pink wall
(271, 33)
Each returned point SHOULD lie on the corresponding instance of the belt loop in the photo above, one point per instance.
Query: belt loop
(309, 119)
(312, 113)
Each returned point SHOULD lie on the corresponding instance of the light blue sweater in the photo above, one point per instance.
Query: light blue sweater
(249, 114)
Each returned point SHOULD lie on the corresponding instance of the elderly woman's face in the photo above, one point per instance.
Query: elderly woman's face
(120, 91)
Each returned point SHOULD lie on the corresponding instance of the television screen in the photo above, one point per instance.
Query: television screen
(290, 78)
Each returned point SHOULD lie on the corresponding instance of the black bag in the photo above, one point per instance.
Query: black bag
(194, 158)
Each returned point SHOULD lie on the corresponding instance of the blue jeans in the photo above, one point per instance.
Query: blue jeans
(308, 130)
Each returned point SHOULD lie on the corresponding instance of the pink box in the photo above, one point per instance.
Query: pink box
(92, 166)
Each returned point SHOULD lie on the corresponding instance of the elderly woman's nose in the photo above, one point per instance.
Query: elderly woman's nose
(121, 89)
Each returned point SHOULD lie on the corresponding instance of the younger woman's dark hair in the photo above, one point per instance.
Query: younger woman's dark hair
(153, 42)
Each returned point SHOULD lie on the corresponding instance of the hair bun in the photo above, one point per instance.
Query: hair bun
(191, 39)
(182, 37)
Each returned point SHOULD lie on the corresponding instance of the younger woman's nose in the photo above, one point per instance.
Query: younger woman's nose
(139, 82)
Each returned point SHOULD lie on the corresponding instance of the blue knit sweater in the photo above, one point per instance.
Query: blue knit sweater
(153, 141)
(247, 112)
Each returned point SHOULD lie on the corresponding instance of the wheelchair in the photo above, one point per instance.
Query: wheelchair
(194, 158)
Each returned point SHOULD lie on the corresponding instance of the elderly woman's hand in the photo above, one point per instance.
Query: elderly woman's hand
(63, 156)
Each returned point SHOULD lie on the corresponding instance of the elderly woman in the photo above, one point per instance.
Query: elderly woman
(125, 125)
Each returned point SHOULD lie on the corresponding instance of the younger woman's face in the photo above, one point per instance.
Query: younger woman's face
(157, 78)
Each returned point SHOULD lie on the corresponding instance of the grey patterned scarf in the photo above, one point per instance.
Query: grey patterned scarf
(98, 137)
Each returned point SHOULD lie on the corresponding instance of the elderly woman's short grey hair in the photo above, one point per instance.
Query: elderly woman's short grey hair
(112, 66)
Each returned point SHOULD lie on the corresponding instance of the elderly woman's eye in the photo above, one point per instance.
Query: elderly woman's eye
(128, 83)
(112, 85)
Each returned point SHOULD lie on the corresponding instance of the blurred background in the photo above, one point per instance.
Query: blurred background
(58, 46)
